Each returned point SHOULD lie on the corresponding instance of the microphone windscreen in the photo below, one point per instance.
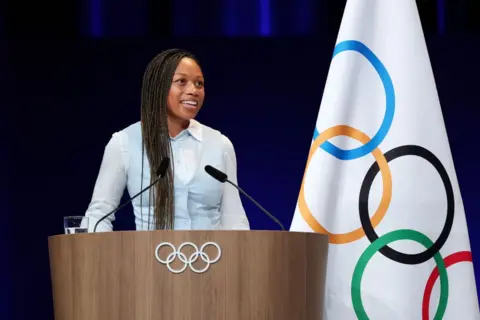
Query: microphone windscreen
(215, 173)
(163, 167)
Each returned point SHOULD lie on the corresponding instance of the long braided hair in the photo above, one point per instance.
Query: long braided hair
(157, 80)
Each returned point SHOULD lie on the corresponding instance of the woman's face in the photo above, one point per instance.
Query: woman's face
(187, 91)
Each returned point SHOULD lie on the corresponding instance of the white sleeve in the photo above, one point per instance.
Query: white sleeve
(233, 216)
(110, 183)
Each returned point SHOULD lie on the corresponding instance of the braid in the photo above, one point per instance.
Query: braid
(156, 139)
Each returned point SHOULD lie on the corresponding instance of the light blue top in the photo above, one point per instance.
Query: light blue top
(201, 202)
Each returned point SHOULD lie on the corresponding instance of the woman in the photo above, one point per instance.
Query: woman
(187, 197)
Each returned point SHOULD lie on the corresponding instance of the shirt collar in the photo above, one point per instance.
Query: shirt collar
(195, 129)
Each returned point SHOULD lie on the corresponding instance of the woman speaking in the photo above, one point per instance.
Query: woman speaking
(187, 198)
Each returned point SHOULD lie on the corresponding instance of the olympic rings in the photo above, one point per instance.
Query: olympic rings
(183, 258)
(320, 141)
(382, 163)
(363, 205)
(369, 146)
(376, 246)
(462, 256)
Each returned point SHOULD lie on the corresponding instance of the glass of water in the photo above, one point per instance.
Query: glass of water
(75, 224)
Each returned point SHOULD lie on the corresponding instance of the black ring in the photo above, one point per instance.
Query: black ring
(364, 214)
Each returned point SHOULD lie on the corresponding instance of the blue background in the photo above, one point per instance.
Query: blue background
(72, 79)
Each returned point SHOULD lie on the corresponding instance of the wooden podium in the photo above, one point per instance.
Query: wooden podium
(193, 275)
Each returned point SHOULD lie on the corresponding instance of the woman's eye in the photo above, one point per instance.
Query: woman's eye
(199, 84)
(181, 81)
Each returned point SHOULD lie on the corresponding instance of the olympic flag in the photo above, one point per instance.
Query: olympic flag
(380, 178)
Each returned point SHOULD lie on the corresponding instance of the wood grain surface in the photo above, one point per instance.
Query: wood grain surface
(260, 275)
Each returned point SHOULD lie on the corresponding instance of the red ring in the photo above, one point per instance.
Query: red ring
(462, 256)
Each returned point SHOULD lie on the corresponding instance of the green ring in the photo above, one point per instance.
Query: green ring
(374, 247)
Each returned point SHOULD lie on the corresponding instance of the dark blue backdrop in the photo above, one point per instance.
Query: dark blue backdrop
(107, 18)
(5, 289)
(70, 96)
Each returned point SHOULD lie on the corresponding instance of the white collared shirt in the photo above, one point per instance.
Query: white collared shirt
(201, 202)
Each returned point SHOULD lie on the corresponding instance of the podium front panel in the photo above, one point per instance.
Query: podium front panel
(201, 275)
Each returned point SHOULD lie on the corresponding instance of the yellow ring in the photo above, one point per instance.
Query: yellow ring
(339, 238)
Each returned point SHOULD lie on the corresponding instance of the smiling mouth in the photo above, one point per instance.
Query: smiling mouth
(189, 104)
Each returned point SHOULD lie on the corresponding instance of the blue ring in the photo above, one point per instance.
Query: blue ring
(390, 104)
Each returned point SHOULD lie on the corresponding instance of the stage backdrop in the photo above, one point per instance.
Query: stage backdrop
(262, 93)
(5, 283)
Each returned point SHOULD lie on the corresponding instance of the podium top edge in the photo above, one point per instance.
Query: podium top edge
(187, 231)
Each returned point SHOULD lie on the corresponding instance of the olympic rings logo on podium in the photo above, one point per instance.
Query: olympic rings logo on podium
(368, 224)
(188, 261)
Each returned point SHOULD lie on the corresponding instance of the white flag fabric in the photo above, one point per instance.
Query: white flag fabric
(380, 178)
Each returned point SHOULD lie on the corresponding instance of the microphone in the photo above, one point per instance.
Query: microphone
(162, 170)
(222, 177)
